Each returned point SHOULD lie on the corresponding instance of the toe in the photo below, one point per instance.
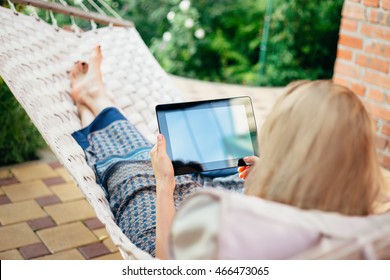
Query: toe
(84, 67)
(78, 70)
(97, 56)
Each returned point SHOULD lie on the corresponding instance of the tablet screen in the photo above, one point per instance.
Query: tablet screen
(208, 135)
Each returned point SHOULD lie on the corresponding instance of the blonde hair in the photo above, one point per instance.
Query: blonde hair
(317, 151)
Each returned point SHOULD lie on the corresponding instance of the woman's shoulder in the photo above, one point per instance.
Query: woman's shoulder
(216, 224)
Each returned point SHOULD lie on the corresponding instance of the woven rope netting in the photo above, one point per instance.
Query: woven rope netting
(34, 58)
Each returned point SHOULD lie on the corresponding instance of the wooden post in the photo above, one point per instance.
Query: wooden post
(73, 11)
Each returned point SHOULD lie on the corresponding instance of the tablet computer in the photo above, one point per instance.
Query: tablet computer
(208, 135)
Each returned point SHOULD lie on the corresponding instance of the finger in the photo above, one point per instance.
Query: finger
(244, 174)
(250, 159)
(241, 168)
(153, 150)
(160, 143)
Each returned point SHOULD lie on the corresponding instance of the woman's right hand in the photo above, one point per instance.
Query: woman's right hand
(245, 170)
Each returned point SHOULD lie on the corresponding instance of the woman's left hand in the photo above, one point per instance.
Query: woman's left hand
(162, 165)
(245, 170)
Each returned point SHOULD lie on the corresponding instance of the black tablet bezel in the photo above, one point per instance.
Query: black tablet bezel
(180, 168)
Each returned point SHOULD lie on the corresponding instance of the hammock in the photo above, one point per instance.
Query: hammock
(34, 58)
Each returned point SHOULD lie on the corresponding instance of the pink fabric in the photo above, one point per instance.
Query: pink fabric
(252, 228)
(244, 235)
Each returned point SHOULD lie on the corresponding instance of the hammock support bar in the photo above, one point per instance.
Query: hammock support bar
(72, 11)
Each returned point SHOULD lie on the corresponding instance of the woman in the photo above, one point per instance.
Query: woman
(317, 152)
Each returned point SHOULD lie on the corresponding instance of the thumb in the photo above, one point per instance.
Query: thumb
(161, 145)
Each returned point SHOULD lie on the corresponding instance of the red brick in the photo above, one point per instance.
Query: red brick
(359, 89)
(386, 4)
(385, 129)
(41, 223)
(374, 16)
(344, 54)
(34, 251)
(47, 200)
(376, 31)
(380, 16)
(377, 79)
(94, 250)
(377, 110)
(93, 223)
(348, 24)
(352, 10)
(350, 41)
(376, 95)
(4, 199)
(386, 162)
(341, 81)
(380, 142)
(371, 3)
(8, 181)
(54, 181)
(55, 164)
(350, 70)
(373, 63)
(379, 49)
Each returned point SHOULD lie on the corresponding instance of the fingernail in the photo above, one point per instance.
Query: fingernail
(159, 137)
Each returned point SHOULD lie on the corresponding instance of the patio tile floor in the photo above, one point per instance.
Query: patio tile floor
(43, 215)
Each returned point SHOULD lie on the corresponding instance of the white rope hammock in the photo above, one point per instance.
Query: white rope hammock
(34, 58)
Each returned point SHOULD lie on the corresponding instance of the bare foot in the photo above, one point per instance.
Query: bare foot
(87, 84)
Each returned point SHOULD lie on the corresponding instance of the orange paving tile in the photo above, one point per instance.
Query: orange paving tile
(26, 190)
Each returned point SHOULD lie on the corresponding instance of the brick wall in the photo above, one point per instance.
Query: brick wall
(363, 62)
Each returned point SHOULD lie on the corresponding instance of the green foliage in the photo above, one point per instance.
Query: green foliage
(19, 139)
(148, 16)
(302, 38)
(229, 50)
(303, 41)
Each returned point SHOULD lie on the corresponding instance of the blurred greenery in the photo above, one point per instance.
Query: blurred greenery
(219, 40)
(302, 38)
(303, 41)
(19, 139)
